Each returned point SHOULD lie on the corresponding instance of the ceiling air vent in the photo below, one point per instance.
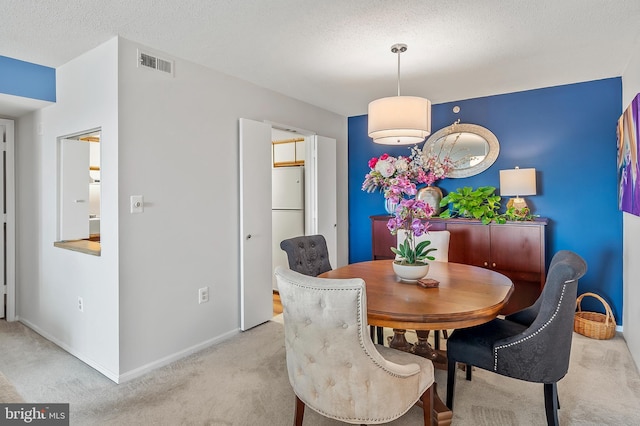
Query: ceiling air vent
(147, 60)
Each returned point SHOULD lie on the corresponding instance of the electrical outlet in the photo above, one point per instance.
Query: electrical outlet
(80, 304)
(203, 295)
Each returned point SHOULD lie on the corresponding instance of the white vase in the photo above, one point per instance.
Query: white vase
(412, 272)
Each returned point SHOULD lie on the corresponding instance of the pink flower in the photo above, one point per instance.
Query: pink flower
(384, 156)
(385, 168)
(372, 162)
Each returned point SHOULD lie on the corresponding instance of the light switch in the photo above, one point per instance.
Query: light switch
(137, 204)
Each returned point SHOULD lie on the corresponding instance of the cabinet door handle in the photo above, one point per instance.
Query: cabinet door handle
(486, 264)
(493, 264)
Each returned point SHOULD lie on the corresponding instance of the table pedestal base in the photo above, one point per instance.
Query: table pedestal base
(441, 414)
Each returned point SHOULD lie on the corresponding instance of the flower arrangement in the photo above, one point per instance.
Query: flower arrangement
(400, 175)
(410, 216)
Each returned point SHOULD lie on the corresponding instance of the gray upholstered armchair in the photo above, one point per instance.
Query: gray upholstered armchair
(333, 365)
(307, 255)
(533, 344)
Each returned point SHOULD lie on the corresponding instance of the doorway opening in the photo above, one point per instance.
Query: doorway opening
(288, 193)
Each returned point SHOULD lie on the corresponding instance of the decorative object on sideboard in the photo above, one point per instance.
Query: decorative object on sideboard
(466, 202)
(518, 182)
(390, 206)
(470, 148)
(399, 120)
(399, 176)
(432, 195)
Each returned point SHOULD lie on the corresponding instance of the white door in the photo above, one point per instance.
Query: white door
(322, 216)
(7, 213)
(256, 301)
(74, 190)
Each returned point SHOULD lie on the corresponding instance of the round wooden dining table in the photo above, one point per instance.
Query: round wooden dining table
(465, 296)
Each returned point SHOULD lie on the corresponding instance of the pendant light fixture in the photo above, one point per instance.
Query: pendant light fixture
(399, 120)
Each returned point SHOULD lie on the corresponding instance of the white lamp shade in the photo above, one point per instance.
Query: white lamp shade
(518, 182)
(399, 120)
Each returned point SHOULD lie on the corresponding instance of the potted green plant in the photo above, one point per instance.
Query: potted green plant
(480, 203)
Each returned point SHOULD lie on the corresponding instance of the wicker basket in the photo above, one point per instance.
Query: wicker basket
(594, 324)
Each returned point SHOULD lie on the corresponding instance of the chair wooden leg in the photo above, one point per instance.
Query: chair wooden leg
(551, 403)
(427, 404)
(451, 382)
(380, 332)
(436, 339)
(299, 412)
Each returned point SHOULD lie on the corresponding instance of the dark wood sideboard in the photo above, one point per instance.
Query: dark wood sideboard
(515, 249)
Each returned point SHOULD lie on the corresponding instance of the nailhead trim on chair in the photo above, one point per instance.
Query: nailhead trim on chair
(495, 350)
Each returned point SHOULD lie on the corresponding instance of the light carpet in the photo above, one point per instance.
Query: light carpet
(243, 381)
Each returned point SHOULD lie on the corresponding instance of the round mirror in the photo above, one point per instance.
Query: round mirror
(471, 148)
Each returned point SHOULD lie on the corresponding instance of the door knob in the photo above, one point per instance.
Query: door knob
(248, 236)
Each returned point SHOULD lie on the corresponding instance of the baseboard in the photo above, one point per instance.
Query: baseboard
(122, 378)
(87, 360)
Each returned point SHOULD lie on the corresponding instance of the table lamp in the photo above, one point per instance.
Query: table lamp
(517, 182)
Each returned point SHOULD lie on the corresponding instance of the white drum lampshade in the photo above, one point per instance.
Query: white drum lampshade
(399, 120)
(517, 182)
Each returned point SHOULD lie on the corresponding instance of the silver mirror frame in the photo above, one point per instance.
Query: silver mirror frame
(486, 134)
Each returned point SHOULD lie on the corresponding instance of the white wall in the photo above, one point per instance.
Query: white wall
(631, 230)
(50, 279)
(174, 141)
(179, 149)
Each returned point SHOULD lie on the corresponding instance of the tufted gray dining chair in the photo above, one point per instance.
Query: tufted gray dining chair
(307, 254)
(533, 344)
(333, 365)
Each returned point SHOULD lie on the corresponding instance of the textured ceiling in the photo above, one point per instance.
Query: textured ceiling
(336, 53)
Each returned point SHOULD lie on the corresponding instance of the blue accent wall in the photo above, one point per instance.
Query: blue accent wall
(568, 134)
(27, 80)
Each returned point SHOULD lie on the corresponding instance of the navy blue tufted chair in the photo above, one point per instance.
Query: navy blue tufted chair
(533, 344)
(307, 255)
